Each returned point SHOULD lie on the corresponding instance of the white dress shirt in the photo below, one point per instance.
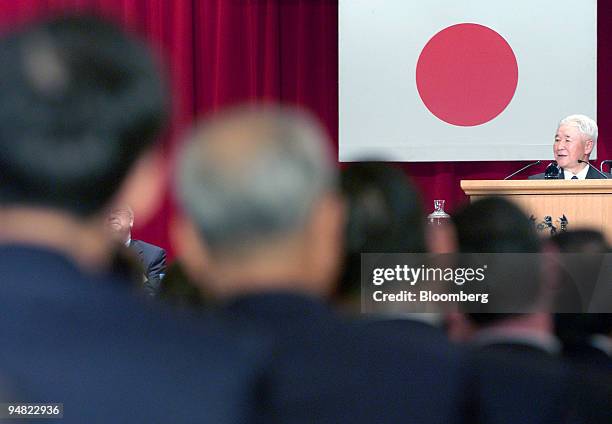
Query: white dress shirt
(581, 174)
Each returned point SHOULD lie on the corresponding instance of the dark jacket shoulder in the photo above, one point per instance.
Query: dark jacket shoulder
(330, 368)
(101, 339)
(539, 176)
(591, 175)
(146, 248)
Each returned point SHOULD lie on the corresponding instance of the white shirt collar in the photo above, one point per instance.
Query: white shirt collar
(603, 343)
(581, 174)
(127, 243)
(431, 318)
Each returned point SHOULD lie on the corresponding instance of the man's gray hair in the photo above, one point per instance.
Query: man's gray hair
(585, 125)
(253, 174)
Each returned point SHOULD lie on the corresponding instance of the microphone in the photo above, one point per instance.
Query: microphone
(523, 168)
(602, 164)
(598, 171)
(553, 172)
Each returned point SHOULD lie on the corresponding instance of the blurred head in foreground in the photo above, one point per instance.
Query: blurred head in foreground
(586, 249)
(385, 215)
(495, 225)
(261, 210)
(581, 241)
(81, 102)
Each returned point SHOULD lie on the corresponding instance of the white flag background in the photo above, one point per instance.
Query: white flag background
(385, 114)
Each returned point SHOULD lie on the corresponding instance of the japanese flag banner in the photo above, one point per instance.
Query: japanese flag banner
(443, 80)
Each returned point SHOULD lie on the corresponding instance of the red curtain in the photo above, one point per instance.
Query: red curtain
(222, 52)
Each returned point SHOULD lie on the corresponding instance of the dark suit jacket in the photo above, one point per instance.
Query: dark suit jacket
(110, 356)
(330, 370)
(525, 348)
(591, 175)
(586, 355)
(153, 260)
(521, 382)
(500, 388)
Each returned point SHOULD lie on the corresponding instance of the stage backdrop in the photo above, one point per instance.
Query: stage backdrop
(221, 52)
(442, 80)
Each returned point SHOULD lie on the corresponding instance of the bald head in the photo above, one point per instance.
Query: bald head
(253, 175)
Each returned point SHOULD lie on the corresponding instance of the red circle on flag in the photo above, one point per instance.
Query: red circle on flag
(466, 74)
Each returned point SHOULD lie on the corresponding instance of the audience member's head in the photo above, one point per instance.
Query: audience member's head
(597, 324)
(80, 102)
(580, 241)
(258, 188)
(582, 261)
(120, 223)
(384, 216)
(497, 226)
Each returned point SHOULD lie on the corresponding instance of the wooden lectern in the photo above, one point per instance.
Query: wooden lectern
(585, 203)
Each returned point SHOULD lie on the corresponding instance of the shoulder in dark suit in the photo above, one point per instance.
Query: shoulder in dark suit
(330, 370)
(585, 353)
(512, 387)
(109, 356)
(524, 382)
(153, 259)
(536, 176)
(543, 347)
(591, 175)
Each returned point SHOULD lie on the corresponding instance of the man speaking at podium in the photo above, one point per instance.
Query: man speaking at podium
(575, 139)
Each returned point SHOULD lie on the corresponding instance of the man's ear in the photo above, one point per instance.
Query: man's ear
(145, 185)
(326, 241)
(191, 251)
(588, 147)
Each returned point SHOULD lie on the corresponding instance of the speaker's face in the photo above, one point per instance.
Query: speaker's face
(570, 146)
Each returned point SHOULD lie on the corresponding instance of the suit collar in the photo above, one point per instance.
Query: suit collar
(136, 246)
(593, 175)
(527, 339)
(432, 320)
(602, 343)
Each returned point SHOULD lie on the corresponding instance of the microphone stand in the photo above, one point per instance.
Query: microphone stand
(522, 169)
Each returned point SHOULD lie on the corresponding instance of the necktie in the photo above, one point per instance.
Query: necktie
(574, 177)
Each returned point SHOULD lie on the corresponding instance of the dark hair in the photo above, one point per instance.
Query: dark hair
(384, 216)
(80, 102)
(581, 241)
(496, 225)
(591, 244)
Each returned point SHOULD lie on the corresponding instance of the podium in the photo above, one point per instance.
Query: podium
(585, 203)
